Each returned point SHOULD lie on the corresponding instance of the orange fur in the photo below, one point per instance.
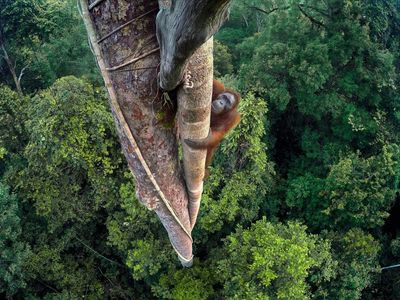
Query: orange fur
(220, 125)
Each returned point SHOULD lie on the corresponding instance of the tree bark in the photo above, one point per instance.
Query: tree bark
(11, 67)
(182, 27)
(194, 109)
(122, 34)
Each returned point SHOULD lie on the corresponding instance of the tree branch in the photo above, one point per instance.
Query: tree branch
(312, 19)
(99, 254)
(11, 68)
(316, 9)
(267, 12)
(22, 73)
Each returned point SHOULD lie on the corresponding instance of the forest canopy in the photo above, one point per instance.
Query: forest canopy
(303, 197)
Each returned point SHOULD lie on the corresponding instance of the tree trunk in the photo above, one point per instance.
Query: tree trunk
(13, 72)
(194, 109)
(122, 35)
(182, 27)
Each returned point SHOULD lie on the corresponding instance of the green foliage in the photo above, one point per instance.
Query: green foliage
(12, 117)
(133, 220)
(331, 79)
(136, 232)
(65, 271)
(72, 144)
(357, 256)
(270, 261)
(37, 19)
(242, 189)
(180, 284)
(395, 247)
(71, 174)
(46, 39)
(146, 258)
(318, 145)
(222, 60)
(357, 192)
(13, 251)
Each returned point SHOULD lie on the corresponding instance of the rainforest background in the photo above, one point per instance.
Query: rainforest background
(303, 199)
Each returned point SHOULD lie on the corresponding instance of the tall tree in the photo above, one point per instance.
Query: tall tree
(127, 54)
(19, 39)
